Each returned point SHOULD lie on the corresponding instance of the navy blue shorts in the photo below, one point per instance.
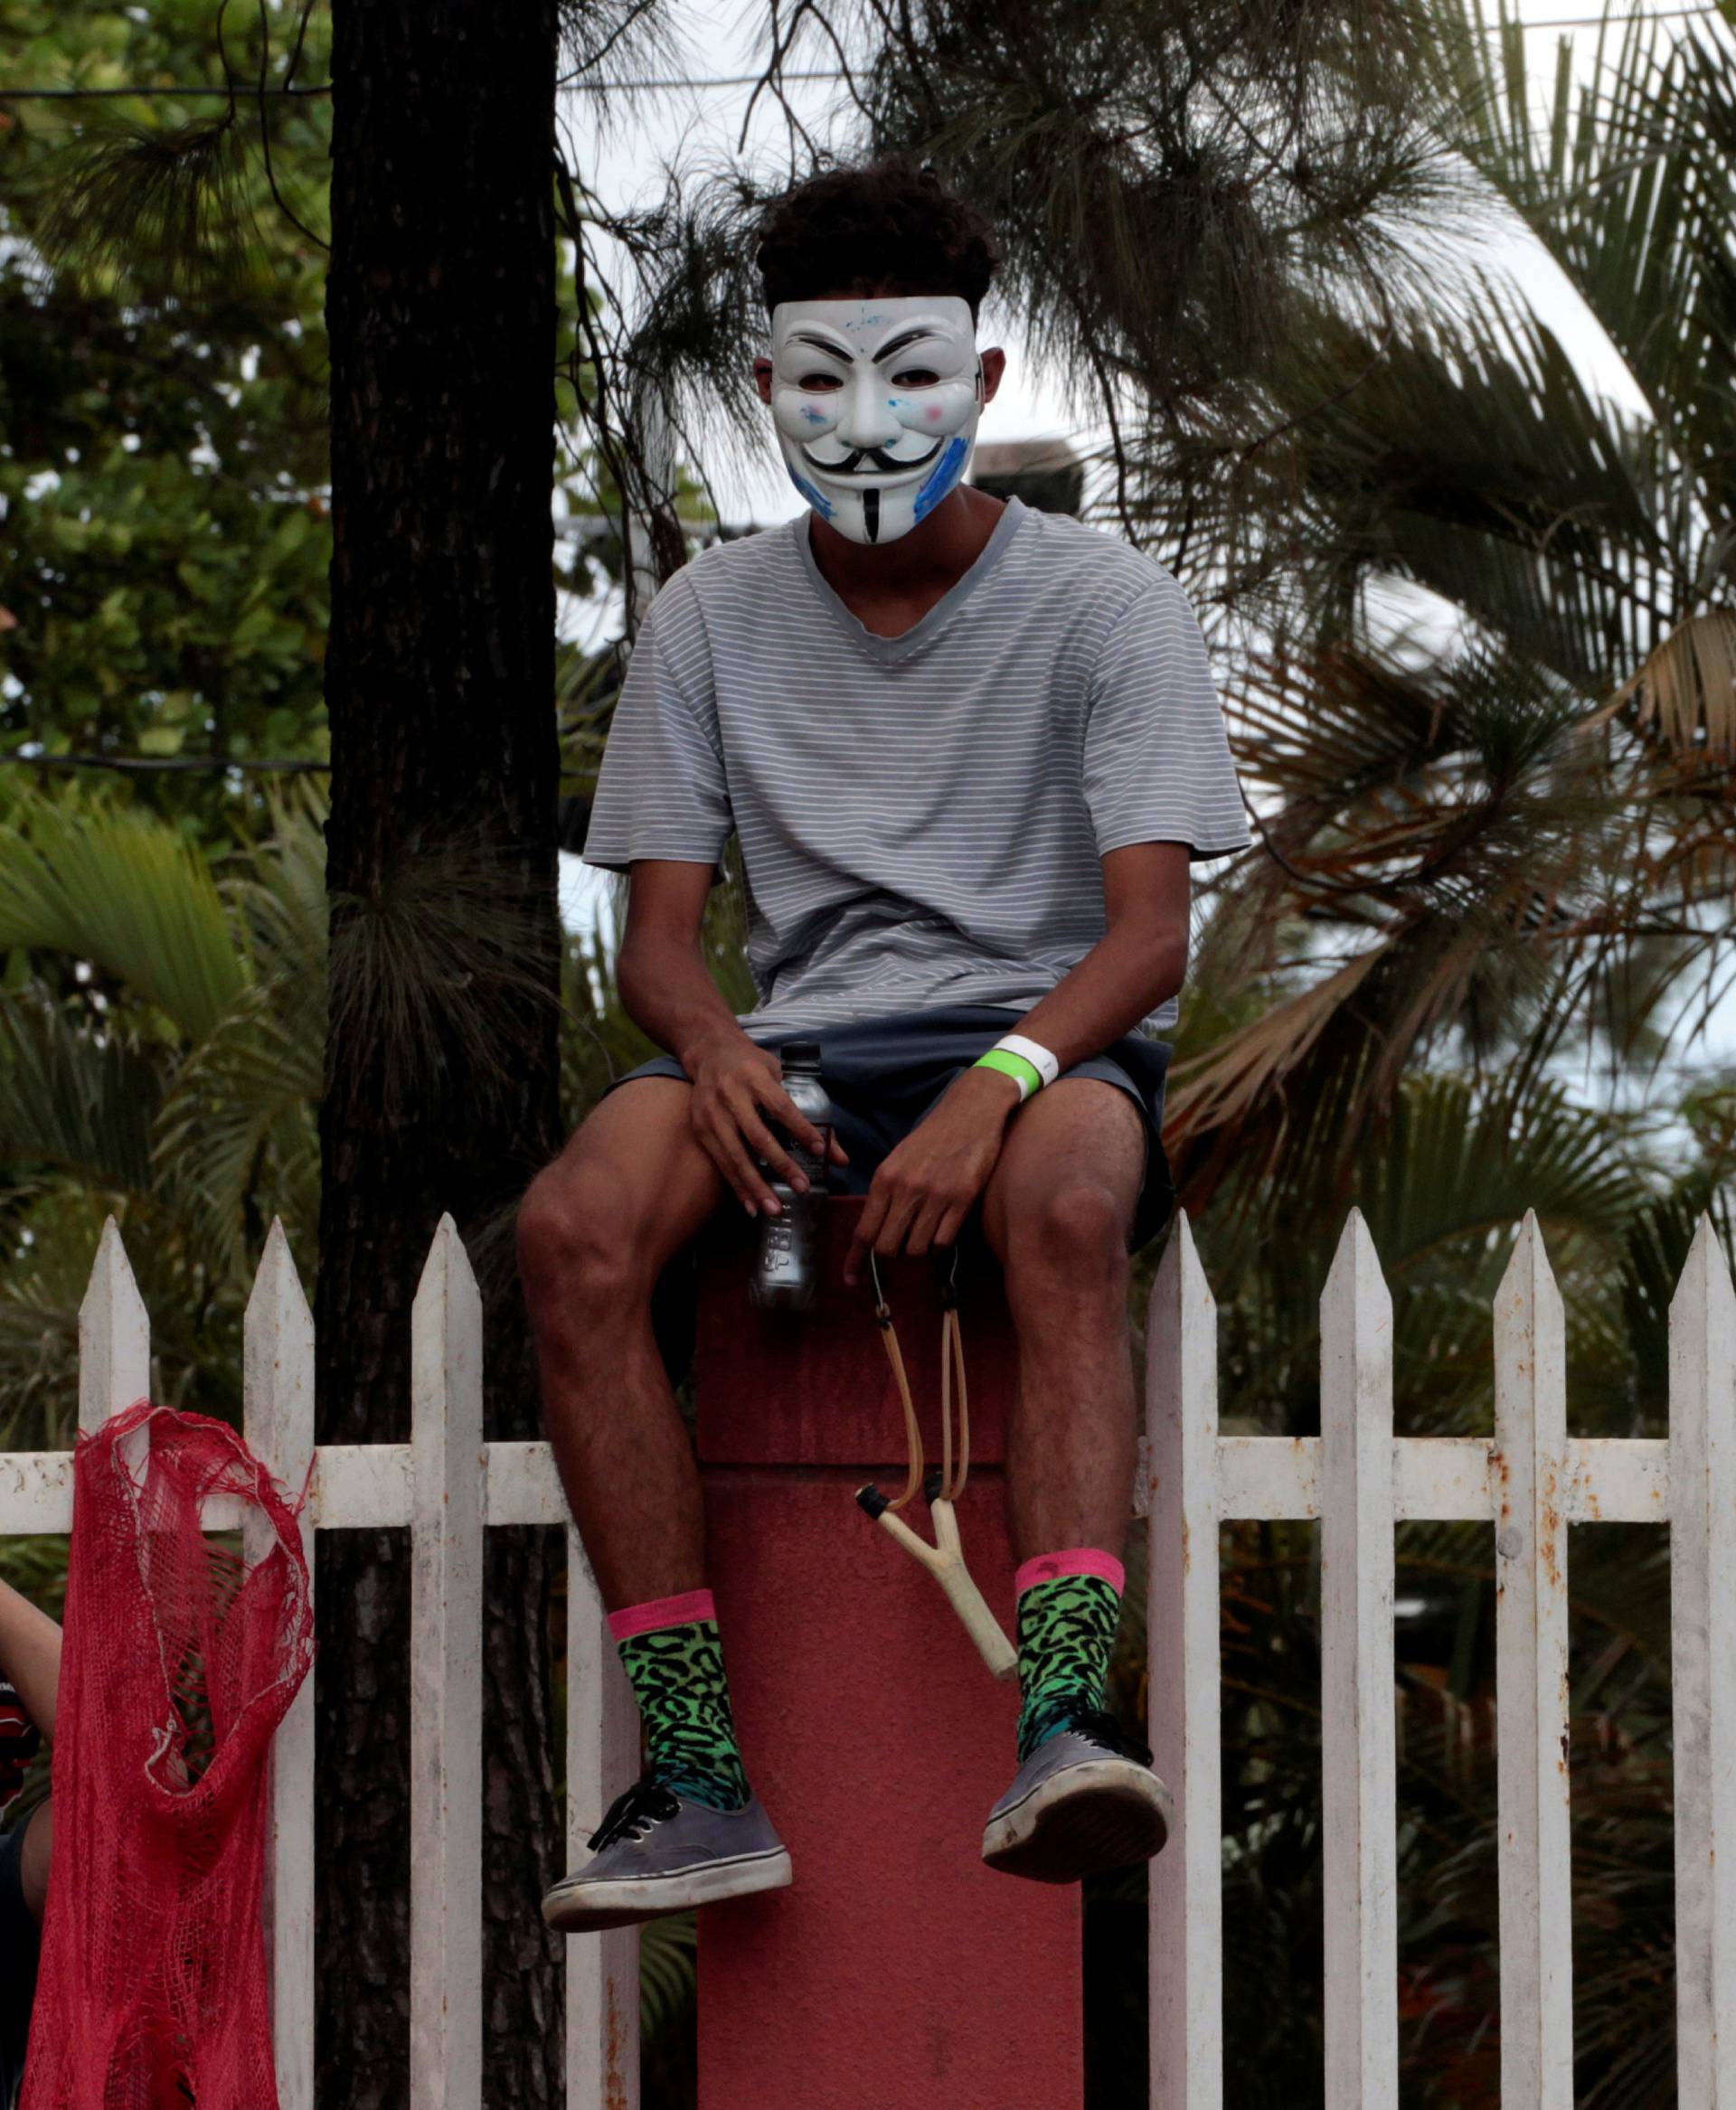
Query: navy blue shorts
(883, 1074)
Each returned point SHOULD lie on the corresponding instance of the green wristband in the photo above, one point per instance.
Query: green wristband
(1026, 1075)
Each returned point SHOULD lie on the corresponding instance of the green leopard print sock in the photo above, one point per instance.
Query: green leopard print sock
(1069, 1605)
(674, 1658)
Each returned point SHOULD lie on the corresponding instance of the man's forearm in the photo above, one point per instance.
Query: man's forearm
(668, 993)
(1134, 967)
(29, 1655)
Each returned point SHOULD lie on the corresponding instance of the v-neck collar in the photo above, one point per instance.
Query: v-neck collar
(888, 649)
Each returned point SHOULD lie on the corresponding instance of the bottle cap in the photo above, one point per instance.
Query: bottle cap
(801, 1054)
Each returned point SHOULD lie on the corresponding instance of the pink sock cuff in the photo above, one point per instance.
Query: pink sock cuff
(1077, 1560)
(646, 1618)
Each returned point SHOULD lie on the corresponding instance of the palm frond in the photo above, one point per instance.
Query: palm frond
(1442, 1180)
(41, 1286)
(1454, 1166)
(1630, 184)
(129, 894)
(437, 966)
(1686, 688)
(668, 1974)
(76, 1100)
(239, 1123)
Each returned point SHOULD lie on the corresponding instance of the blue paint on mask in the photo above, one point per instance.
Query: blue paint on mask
(817, 499)
(947, 472)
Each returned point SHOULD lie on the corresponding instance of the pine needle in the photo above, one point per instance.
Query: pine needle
(158, 210)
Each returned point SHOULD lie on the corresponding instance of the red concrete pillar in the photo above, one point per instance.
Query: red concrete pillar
(897, 1973)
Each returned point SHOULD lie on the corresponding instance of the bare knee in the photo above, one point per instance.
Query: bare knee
(575, 1251)
(1073, 1240)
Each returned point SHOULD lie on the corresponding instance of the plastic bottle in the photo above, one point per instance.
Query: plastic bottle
(785, 1274)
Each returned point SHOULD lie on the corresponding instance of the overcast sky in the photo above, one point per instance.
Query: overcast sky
(626, 150)
(626, 147)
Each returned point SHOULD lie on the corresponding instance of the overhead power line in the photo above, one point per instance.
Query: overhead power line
(250, 94)
(141, 765)
(674, 83)
(241, 93)
(715, 81)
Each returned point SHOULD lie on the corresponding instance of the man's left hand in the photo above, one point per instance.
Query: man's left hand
(928, 1185)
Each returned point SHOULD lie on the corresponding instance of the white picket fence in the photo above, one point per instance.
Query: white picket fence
(446, 1484)
(1531, 1481)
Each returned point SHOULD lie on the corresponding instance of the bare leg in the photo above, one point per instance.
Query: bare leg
(1057, 1211)
(595, 1230)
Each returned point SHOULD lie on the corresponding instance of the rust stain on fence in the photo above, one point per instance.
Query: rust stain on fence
(1549, 1546)
(615, 2056)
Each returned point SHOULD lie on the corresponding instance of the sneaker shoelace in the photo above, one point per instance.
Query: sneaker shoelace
(631, 1815)
(1099, 1727)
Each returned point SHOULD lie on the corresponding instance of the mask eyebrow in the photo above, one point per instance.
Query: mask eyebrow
(827, 344)
(903, 342)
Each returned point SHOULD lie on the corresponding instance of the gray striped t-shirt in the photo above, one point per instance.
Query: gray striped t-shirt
(922, 817)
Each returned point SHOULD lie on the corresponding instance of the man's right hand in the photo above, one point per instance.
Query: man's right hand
(736, 1086)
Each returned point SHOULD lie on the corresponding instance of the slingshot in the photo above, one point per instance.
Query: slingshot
(944, 1559)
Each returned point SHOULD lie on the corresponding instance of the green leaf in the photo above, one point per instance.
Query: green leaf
(124, 892)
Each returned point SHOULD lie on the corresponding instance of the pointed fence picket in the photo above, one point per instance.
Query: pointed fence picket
(602, 1757)
(1531, 1481)
(447, 1461)
(277, 1407)
(1358, 1721)
(446, 1485)
(1528, 1470)
(1702, 1602)
(1183, 1513)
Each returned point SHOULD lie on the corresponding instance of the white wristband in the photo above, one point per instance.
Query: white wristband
(1047, 1066)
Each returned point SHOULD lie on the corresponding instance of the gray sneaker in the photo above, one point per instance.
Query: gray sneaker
(655, 1853)
(1085, 1799)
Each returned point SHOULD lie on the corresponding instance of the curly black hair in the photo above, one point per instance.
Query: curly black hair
(889, 227)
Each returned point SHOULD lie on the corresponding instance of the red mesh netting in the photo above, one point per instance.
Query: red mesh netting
(179, 1662)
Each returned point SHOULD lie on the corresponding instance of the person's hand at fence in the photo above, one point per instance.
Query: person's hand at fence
(738, 1092)
(29, 1655)
(928, 1185)
(30, 1681)
(20, 1740)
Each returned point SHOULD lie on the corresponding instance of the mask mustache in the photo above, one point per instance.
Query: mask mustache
(877, 458)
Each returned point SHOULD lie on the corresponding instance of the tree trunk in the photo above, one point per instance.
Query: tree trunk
(442, 1063)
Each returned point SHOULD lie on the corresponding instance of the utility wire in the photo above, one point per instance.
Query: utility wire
(325, 88)
(673, 84)
(174, 94)
(140, 765)
(718, 81)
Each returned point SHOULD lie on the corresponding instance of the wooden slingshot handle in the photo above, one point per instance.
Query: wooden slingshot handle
(945, 1560)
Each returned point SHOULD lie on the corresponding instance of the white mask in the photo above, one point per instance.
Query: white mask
(876, 403)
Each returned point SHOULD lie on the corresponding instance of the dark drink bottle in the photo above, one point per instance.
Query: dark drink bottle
(785, 1274)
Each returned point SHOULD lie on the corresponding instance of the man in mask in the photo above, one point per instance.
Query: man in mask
(967, 750)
